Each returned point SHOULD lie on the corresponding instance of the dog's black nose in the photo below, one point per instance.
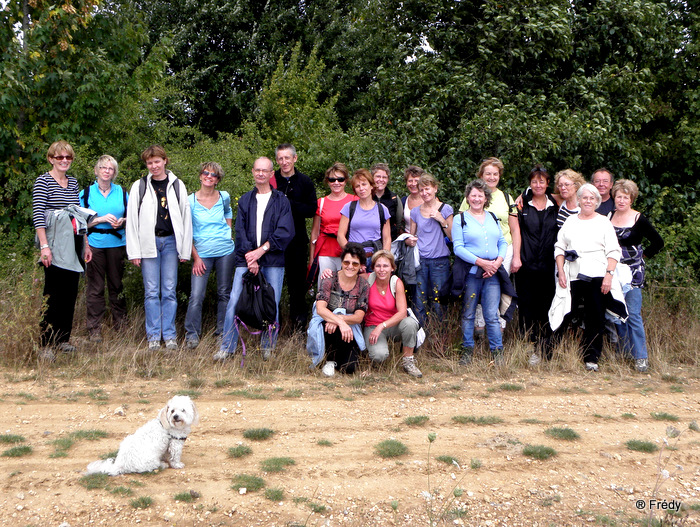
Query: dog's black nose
(176, 418)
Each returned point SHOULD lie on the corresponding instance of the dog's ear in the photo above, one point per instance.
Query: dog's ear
(195, 414)
(163, 417)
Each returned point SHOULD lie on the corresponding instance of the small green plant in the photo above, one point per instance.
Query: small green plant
(508, 387)
(90, 435)
(641, 446)
(196, 382)
(248, 394)
(416, 420)
(663, 416)
(108, 455)
(539, 451)
(548, 502)
(142, 502)
(185, 497)
(98, 394)
(122, 491)
(531, 421)
(666, 377)
(475, 464)
(300, 499)
(239, 451)
(276, 464)
(676, 388)
(565, 433)
(694, 426)
(18, 451)
(10, 439)
(258, 434)
(192, 394)
(274, 494)
(628, 416)
(94, 481)
(448, 460)
(247, 481)
(222, 383)
(317, 508)
(483, 420)
(394, 504)
(27, 396)
(293, 394)
(390, 448)
(324, 442)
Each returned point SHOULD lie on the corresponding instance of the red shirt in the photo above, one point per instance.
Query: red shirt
(330, 218)
(381, 306)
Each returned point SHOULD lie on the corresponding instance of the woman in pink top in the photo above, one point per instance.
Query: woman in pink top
(387, 316)
(324, 229)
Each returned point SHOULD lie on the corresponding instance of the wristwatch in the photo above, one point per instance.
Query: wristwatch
(265, 247)
(610, 272)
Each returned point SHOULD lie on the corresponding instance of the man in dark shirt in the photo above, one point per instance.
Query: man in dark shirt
(603, 180)
(301, 194)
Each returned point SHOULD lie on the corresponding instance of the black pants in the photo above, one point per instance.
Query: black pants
(61, 292)
(295, 260)
(535, 293)
(106, 263)
(344, 354)
(588, 306)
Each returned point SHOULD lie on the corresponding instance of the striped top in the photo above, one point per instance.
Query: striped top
(565, 213)
(49, 195)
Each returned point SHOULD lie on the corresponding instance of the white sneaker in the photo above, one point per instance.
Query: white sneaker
(171, 345)
(221, 356)
(591, 366)
(153, 345)
(641, 365)
(534, 360)
(266, 354)
(409, 366)
(329, 369)
(47, 354)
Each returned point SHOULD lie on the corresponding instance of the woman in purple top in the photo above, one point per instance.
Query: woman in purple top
(479, 241)
(365, 221)
(430, 223)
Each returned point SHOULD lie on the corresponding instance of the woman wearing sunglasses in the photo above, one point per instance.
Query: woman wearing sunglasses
(324, 229)
(213, 249)
(61, 248)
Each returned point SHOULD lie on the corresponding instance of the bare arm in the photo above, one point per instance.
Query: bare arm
(514, 225)
(343, 231)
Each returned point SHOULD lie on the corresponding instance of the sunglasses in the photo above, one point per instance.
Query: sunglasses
(209, 174)
(61, 158)
(336, 180)
(348, 263)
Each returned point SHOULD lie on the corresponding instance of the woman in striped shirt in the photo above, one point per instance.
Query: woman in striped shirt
(56, 190)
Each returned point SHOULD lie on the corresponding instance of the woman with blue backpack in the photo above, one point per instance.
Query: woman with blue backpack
(107, 239)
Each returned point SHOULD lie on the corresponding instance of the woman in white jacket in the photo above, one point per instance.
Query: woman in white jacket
(158, 234)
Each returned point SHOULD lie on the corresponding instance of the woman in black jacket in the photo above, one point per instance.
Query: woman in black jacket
(535, 281)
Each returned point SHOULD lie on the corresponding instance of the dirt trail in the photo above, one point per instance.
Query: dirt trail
(594, 480)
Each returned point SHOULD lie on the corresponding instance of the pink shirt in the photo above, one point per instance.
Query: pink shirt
(381, 307)
(330, 218)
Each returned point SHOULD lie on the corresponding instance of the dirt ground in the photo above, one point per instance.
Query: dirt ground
(593, 480)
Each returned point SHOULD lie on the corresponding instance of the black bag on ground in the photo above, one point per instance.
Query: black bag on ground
(256, 306)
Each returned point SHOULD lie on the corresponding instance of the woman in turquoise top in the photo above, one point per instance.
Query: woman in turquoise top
(213, 248)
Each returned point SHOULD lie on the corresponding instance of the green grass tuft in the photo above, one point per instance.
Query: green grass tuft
(276, 464)
(248, 394)
(122, 491)
(10, 439)
(90, 435)
(293, 394)
(142, 502)
(508, 387)
(539, 451)
(94, 481)
(18, 451)
(196, 382)
(628, 416)
(391, 448)
(564, 433)
(483, 420)
(185, 497)
(258, 434)
(249, 482)
(416, 420)
(324, 442)
(448, 460)
(475, 464)
(274, 494)
(663, 416)
(192, 394)
(317, 508)
(694, 426)
(239, 451)
(641, 446)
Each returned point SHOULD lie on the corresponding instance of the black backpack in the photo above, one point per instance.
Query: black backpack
(256, 306)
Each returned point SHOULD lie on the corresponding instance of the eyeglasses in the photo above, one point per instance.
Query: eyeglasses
(107, 168)
(565, 185)
(348, 263)
(209, 174)
(261, 171)
(61, 158)
(336, 180)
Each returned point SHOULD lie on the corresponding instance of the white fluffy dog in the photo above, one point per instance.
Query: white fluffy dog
(156, 444)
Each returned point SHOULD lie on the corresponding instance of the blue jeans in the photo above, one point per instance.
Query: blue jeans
(268, 339)
(224, 266)
(633, 339)
(159, 284)
(433, 272)
(487, 292)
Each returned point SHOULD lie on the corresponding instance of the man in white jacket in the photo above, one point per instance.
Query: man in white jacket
(158, 234)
